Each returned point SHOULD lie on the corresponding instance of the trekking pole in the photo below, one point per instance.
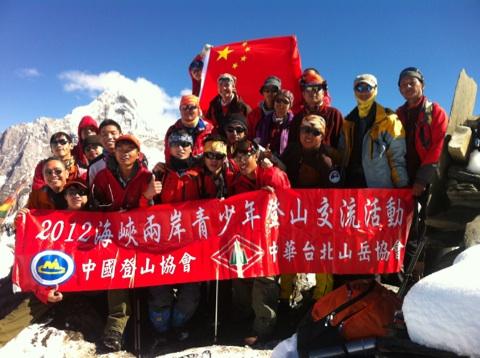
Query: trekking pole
(216, 309)
(421, 240)
(137, 347)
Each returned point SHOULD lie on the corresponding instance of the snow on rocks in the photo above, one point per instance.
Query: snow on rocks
(442, 310)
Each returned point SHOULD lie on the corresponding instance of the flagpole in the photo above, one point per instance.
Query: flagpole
(216, 307)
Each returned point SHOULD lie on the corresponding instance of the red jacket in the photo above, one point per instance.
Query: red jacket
(425, 138)
(223, 188)
(77, 151)
(201, 131)
(180, 187)
(110, 194)
(274, 177)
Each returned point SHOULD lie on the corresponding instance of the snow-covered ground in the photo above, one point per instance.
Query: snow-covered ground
(443, 310)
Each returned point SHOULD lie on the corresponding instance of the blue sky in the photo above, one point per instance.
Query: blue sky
(39, 40)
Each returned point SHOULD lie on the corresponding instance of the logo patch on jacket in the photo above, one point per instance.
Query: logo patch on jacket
(334, 176)
(51, 267)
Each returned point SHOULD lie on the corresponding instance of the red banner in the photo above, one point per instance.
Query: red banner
(248, 235)
(252, 62)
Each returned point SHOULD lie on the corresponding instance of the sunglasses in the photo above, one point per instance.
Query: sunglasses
(363, 88)
(214, 155)
(59, 141)
(310, 130)
(270, 90)
(235, 129)
(183, 144)
(53, 171)
(315, 88)
(188, 108)
(73, 192)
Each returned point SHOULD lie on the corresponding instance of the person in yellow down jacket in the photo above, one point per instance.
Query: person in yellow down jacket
(372, 142)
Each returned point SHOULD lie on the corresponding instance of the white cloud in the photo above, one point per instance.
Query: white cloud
(29, 72)
(153, 105)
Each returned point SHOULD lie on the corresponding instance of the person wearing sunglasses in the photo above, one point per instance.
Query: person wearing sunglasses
(61, 147)
(235, 130)
(260, 294)
(92, 147)
(316, 100)
(273, 130)
(373, 141)
(87, 127)
(310, 164)
(30, 309)
(169, 311)
(192, 122)
(269, 90)
(226, 102)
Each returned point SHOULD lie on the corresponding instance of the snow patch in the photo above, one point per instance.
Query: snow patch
(442, 310)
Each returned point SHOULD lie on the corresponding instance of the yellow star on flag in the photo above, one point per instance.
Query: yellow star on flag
(224, 53)
(243, 58)
(244, 44)
(235, 65)
(247, 49)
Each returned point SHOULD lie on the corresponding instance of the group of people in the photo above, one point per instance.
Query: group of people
(233, 149)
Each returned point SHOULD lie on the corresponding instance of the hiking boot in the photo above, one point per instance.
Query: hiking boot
(113, 341)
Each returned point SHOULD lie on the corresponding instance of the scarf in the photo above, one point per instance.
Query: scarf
(364, 106)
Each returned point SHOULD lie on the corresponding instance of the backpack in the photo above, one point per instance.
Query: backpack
(357, 310)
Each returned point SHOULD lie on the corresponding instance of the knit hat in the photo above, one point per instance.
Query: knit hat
(128, 138)
(311, 77)
(365, 78)
(189, 99)
(180, 135)
(236, 119)
(411, 72)
(227, 77)
(271, 81)
(92, 140)
(285, 94)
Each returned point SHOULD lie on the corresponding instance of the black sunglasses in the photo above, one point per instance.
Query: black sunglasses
(310, 130)
(363, 88)
(183, 144)
(282, 100)
(214, 155)
(189, 107)
(73, 192)
(235, 129)
(52, 171)
(59, 141)
(315, 88)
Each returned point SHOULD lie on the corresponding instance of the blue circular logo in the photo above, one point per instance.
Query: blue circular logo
(51, 267)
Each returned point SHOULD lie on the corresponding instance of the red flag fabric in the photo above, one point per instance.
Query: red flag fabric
(252, 61)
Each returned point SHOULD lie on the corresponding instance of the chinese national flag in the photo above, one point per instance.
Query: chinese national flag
(251, 62)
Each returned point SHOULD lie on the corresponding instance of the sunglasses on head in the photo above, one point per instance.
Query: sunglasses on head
(183, 144)
(53, 171)
(310, 130)
(363, 88)
(189, 107)
(74, 191)
(235, 129)
(214, 155)
(59, 141)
